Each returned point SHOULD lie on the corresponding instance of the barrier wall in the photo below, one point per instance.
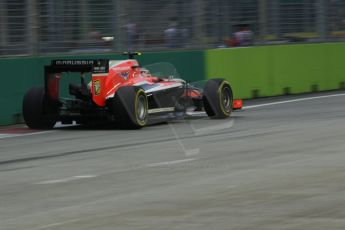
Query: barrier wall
(252, 71)
(19, 74)
(279, 69)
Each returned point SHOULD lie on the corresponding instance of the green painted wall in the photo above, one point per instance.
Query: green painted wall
(270, 69)
(20, 73)
(266, 70)
(17, 74)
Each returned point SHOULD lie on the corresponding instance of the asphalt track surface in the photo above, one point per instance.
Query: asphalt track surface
(270, 166)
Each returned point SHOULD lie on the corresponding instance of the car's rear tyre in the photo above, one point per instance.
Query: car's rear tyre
(38, 113)
(130, 107)
(217, 98)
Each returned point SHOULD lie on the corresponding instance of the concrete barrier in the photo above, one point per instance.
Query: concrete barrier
(280, 69)
(252, 71)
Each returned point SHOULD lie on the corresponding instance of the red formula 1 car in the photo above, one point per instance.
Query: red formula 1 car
(122, 92)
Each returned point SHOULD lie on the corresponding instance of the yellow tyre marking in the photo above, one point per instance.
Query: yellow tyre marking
(220, 98)
(142, 123)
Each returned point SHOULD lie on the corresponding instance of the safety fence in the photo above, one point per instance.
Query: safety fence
(35, 27)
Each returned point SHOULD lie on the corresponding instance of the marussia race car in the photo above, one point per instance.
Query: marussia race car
(122, 93)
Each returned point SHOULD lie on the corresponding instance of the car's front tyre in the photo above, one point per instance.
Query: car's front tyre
(217, 98)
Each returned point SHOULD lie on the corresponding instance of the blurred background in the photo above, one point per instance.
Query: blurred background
(31, 27)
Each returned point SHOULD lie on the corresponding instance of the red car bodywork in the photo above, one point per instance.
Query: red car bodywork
(164, 90)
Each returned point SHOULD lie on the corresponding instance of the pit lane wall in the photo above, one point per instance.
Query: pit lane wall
(20, 73)
(279, 69)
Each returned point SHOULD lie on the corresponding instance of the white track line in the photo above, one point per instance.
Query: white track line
(64, 180)
(4, 135)
(79, 177)
(22, 134)
(7, 135)
(165, 163)
(57, 224)
(293, 100)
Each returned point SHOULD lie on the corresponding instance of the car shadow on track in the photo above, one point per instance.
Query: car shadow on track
(200, 119)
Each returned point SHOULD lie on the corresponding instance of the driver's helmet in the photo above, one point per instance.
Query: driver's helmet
(145, 72)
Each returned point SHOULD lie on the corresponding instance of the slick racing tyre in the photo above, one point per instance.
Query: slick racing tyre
(38, 113)
(217, 98)
(130, 107)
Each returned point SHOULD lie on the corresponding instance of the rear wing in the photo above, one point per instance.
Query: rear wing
(52, 72)
(83, 66)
